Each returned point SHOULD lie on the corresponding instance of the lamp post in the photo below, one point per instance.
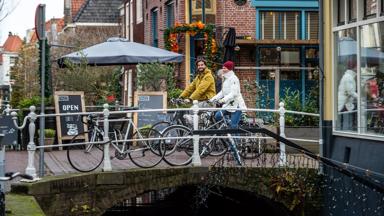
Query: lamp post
(277, 78)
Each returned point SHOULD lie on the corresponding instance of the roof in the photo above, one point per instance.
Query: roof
(12, 44)
(98, 11)
(75, 6)
(59, 27)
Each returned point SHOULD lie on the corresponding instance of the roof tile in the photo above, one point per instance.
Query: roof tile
(13, 43)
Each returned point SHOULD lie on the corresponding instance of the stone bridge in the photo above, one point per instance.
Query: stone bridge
(96, 192)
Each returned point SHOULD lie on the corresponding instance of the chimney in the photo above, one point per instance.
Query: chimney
(67, 11)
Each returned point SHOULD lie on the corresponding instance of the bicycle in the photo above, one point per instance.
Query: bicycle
(7, 177)
(177, 118)
(183, 147)
(142, 146)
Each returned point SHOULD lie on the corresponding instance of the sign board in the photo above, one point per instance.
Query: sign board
(149, 100)
(71, 125)
(40, 22)
(9, 130)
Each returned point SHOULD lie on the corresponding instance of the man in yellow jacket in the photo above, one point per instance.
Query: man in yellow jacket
(203, 86)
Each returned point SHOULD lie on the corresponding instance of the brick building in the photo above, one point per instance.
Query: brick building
(269, 37)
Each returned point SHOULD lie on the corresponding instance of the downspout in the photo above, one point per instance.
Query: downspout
(321, 82)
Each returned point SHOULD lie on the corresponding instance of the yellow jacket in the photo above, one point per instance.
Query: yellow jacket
(202, 87)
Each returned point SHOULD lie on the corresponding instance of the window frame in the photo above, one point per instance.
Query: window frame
(139, 11)
(279, 25)
(362, 21)
(170, 6)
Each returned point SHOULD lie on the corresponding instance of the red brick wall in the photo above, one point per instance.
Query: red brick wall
(242, 18)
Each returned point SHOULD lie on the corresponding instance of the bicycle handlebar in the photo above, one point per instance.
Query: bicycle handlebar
(11, 175)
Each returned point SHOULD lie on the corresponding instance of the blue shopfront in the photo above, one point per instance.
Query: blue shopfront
(286, 48)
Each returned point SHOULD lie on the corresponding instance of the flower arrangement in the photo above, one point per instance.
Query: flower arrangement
(171, 35)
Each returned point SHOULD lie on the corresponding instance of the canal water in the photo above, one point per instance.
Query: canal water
(198, 201)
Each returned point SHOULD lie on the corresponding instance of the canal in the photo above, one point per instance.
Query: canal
(198, 201)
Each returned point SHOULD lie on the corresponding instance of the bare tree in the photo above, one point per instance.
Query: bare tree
(6, 8)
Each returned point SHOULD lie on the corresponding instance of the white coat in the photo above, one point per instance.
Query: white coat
(230, 92)
(347, 91)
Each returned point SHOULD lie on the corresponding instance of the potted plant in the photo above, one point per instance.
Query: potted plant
(49, 137)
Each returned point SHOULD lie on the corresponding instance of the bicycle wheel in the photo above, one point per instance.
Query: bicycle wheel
(146, 153)
(218, 147)
(160, 126)
(252, 146)
(86, 157)
(178, 145)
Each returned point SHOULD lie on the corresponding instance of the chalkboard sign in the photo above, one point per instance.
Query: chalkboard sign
(71, 125)
(9, 130)
(150, 100)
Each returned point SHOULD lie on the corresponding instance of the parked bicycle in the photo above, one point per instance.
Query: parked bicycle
(7, 177)
(141, 145)
(177, 117)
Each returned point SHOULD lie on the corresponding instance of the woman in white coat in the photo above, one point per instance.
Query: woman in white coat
(230, 95)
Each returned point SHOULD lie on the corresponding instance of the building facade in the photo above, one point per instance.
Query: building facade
(9, 54)
(354, 92)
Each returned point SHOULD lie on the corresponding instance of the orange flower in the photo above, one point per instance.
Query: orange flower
(200, 25)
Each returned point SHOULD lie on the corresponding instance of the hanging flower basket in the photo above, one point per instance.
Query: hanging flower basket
(210, 49)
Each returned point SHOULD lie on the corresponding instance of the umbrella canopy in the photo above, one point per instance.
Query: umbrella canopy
(229, 44)
(119, 51)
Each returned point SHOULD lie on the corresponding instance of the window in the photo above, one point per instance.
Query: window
(340, 12)
(370, 8)
(352, 10)
(280, 25)
(154, 27)
(139, 11)
(203, 10)
(170, 10)
(372, 79)
(12, 60)
(129, 21)
(312, 25)
(345, 77)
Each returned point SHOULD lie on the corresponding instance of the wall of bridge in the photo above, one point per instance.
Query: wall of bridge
(96, 192)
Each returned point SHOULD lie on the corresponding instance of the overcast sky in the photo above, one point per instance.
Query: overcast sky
(23, 16)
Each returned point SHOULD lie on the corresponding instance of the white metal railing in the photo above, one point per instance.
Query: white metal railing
(196, 160)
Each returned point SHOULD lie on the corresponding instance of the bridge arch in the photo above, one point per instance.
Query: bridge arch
(94, 193)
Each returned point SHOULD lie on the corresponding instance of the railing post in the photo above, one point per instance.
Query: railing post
(7, 110)
(117, 105)
(196, 161)
(283, 158)
(107, 160)
(31, 147)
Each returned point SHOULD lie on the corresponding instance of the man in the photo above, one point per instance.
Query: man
(203, 86)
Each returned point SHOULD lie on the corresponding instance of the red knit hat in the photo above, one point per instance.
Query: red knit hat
(229, 65)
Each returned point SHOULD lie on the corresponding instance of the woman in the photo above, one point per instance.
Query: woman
(230, 95)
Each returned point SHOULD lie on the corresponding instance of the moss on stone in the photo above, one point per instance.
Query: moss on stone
(21, 205)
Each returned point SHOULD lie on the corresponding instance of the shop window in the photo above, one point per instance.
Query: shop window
(345, 78)
(370, 8)
(312, 25)
(340, 12)
(372, 79)
(280, 25)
